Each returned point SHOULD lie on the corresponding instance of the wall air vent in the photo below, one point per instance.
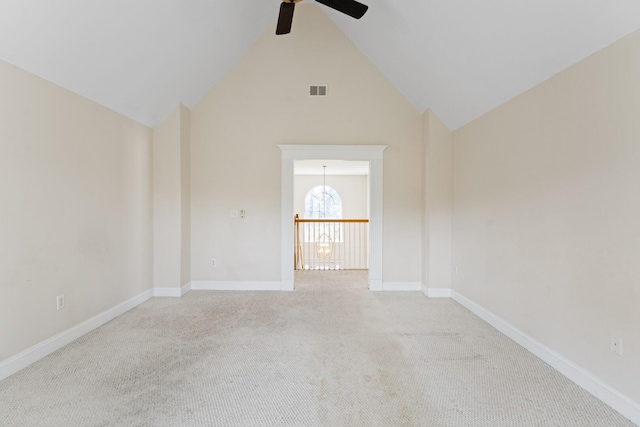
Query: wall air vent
(318, 90)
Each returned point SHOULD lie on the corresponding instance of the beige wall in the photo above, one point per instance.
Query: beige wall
(547, 209)
(185, 195)
(437, 212)
(75, 211)
(167, 202)
(172, 200)
(353, 190)
(264, 101)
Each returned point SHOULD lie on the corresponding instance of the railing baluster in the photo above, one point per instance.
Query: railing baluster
(328, 244)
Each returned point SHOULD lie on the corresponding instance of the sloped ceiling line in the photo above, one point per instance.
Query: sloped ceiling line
(459, 58)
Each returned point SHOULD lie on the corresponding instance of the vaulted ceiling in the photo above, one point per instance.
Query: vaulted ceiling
(460, 58)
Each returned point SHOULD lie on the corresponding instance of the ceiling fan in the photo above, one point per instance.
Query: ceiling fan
(348, 7)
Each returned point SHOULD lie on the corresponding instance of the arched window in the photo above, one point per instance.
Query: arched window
(323, 202)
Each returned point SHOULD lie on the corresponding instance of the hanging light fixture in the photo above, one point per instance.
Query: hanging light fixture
(324, 190)
(324, 244)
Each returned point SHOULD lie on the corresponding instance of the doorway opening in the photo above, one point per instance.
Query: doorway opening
(331, 205)
(373, 155)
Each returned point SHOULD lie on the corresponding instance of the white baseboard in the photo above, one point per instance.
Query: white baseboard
(210, 285)
(167, 292)
(184, 289)
(33, 354)
(172, 292)
(438, 292)
(575, 373)
(375, 285)
(401, 286)
(287, 285)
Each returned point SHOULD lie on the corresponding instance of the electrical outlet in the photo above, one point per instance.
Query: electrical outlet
(213, 262)
(615, 345)
(233, 213)
(59, 302)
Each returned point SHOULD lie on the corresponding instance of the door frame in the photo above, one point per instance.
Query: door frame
(371, 153)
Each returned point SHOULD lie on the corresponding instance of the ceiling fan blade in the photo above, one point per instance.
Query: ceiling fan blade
(285, 18)
(349, 7)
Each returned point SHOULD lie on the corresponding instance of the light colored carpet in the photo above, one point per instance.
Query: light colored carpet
(329, 354)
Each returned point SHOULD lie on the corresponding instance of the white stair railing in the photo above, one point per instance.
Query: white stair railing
(331, 244)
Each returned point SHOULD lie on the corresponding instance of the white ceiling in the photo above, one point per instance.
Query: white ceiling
(460, 58)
